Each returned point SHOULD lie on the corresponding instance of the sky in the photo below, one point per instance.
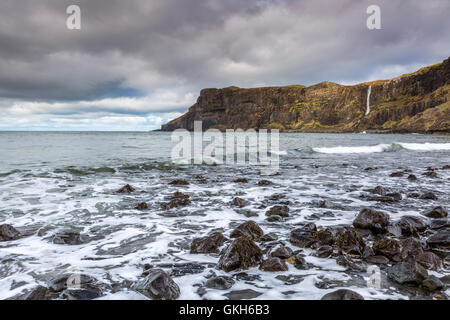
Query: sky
(136, 64)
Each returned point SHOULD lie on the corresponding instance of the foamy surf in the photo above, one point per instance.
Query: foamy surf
(385, 148)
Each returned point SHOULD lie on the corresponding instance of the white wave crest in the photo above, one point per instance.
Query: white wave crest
(425, 146)
(386, 148)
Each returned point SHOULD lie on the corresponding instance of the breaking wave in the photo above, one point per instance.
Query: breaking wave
(386, 148)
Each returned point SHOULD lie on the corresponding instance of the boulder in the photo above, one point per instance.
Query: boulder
(390, 248)
(220, 283)
(179, 182)
(379, 190)
(349, 241)
(239, 202)
(8, 233)
(438, 212)
(241, 254)
(433, 283)
(126, 189)
(141, 206)
(282, 211)
(157, 285)
(241, 180)
(411, 225)
(377, 221)
(70, 237)
(305, 237)
(428, 196)
(343, 294)
(326, 237)
(264, 182)
(411, 247)
(273, 264)
(429, 261)
(324, 251)
(178, 199)
(407, 272)
(281, 252)
(440, 239)
(208, 244)
(249, 229)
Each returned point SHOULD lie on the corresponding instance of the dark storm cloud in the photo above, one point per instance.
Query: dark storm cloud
(152, 48)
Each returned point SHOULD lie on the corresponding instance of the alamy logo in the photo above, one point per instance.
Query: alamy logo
(374, 20)
(73, 22)
(234, 147)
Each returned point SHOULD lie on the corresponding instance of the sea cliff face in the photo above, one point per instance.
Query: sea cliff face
(417, 102)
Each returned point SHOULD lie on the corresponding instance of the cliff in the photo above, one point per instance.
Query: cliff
(416, 102)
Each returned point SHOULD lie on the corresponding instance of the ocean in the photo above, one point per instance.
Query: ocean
(52, 182)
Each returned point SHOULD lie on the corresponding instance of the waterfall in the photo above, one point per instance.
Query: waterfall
(368, 100)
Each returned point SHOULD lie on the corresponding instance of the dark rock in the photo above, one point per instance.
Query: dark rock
(157, 285)
(376, 221)
(273, 264)
(179, 270)
(413, 195)
(343, 294)
(446, 167)
(69, 281)
(208, 244)
(438, 212)
(326, 237)
(389, 248)
(305, 237)
(430, 174)
(299, 261)
(264, 182)
(412, 177)
(377, 260)
(247, 213)
(325, 204)
(82, 294)
(249, 229)
(282, 211)
(142, 206)
(281, 252)
(70, 237)
(411, 225)
(324, 251)
(38, 293)
(241, 180)
(436, 224)
(429, 261)
(271, 236)
(397, 174)
(349, 241)
(8, 233)
(433, 283)
(428, 196)
(242, 294)
(239, 202)
(379, 190)
(178, 199)
(179, 182)
(126, 189)
(411, 247)
(241, 254)
(407, 271)
(440, 239)
(220, 283)
(277, 196)
(274, 219)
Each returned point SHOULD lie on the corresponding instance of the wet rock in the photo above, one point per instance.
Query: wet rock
(377, 260)
(281, 252)
(347, 262)
(183, 269)
(376, 221)
(38, 293)
(433, 283)
(349, 241)
(413, 195)
(179, 182)
(324, 251)
(126, 189)
(242, 294)
(71, 281)
(411, 247)
(446, 167)
(343, 294)
(8, 233)
(70, 237)
(412, 177)
(241, 180)
(208, 244)
(142, 206)
(271, 236)
(440, 239)
(430, 174)
(82, 294)
(411, 225)
(249, 229)
(274, 219)
(244, 276)
(157, 285)
(325, 236)
(201, 179)
(428, 196)
(282, 211)
(277, 196)
(300, 262)
(247, 213)
(407, 272)
(384, 198)
(390, 248)
(429, 261)
(326, 204)
(220, 283)
(305, 237)
(264, 182)
(273, 264)
(178, 199)
(239, 202)
(241, 254)
(438, 212)
(397, 174)
(379, 190)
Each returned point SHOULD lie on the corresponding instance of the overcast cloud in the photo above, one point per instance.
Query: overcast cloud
(137, 63)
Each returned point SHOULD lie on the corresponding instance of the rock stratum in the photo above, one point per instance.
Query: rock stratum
(417, 102)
